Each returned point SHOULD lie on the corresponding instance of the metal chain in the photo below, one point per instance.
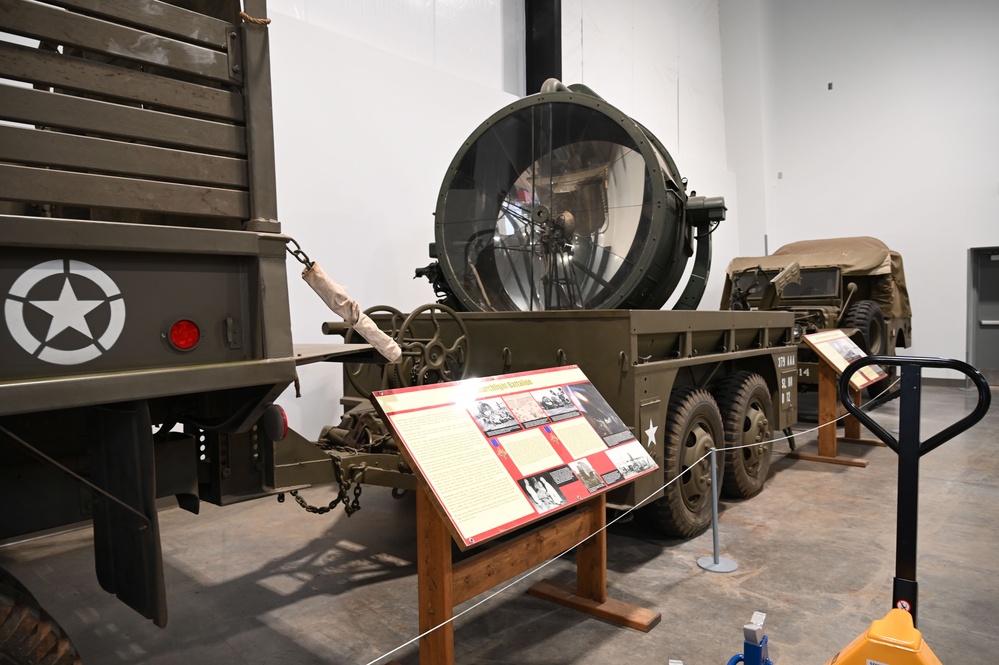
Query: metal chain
(349, 506)
(299, 254)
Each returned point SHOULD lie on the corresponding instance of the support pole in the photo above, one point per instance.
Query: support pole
(716, 563)
(543, 20)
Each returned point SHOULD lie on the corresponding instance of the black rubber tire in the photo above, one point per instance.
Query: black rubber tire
(693, 426)
(866, 316)
(748, 415)
(28, 635)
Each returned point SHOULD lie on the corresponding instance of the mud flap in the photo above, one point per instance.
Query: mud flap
(127, 548)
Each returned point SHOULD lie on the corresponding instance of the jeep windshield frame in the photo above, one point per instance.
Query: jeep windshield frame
(816, 283)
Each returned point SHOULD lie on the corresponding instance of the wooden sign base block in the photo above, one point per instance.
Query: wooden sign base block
(444, 584)
(612, 610)
(829, 412)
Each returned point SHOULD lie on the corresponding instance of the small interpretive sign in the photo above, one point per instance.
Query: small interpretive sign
(839, 351)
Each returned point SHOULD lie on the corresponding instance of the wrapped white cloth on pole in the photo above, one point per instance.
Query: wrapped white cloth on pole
(336, 299)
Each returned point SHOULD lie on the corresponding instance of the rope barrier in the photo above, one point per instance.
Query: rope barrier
(542, 566)
(256, 21)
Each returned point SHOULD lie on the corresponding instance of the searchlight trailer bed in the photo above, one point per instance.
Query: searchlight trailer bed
(681, 381)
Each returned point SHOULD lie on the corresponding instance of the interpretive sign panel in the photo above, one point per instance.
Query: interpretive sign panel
(839, 351)
(497, 453)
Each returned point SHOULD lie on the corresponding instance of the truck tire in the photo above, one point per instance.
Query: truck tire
(29, 636)
(866, 316)
(748, 415)
(693, 427)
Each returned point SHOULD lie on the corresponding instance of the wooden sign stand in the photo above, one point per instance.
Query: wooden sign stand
(444, 584)
(828, 412)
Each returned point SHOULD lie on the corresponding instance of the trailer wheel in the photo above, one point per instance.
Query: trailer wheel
(693, 427)
(29, 636)
(748, 414)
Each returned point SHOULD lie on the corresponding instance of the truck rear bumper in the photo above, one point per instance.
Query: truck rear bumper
(65, 392)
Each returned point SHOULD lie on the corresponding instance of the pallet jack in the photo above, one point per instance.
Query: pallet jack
(895, 639)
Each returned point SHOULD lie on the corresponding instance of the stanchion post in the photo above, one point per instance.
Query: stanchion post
(716, 563)
(714, 503)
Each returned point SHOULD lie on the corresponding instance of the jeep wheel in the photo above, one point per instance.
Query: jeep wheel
(866, 317)
(29, 636)
(748, 415)
(693, 427)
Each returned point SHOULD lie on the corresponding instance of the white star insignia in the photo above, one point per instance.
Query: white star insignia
(68, 312)
(651, 433)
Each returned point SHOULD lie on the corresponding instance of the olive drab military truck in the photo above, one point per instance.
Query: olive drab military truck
(145, 329)
(854, 283)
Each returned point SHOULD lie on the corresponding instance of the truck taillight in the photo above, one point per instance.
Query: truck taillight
(275, 422)
(184, 335)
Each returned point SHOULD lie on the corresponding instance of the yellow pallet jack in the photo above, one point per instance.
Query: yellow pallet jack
(894, 640)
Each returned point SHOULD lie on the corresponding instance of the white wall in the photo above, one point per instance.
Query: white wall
(905, 147)
(746, 101)
(480, 40)
(660, 63)
(363, 137)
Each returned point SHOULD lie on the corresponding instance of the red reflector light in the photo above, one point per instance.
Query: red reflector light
(275, 422)
(184, 335)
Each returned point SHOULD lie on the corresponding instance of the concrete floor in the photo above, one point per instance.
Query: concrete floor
(263, 582)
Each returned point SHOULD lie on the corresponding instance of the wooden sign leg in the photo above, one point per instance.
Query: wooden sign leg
(827, 409)
(591, 556)
(828, 413)
(851, 426)
(434, 575)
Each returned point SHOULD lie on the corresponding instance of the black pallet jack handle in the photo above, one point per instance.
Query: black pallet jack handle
(909, 449)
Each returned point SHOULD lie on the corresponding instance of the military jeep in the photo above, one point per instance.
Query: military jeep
(851, 283)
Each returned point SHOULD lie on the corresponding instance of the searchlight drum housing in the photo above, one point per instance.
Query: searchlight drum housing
(560, 201)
